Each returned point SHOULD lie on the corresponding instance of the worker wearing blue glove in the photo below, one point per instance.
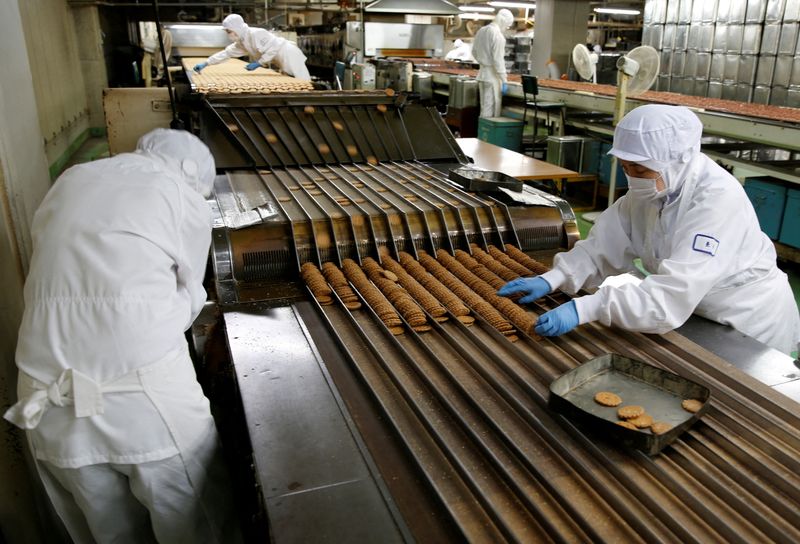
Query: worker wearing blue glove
(199, 67)
(488, 49)
(694, 229)
(504, 89)
(263, 47)
(534, 288)
(559, 321)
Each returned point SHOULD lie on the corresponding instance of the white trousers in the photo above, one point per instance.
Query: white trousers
(491, 97)
(184, 498)
(293, 62)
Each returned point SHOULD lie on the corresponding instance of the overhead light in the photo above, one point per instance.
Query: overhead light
(199, 26)
(618, 11)
(421, 7)
(476, 16)
(523, 5)
(486, 9)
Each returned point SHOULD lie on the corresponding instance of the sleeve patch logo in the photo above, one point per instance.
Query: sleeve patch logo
(705, 244)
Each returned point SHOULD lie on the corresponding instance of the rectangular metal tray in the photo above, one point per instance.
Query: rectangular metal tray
(478, 180)
(659, 392)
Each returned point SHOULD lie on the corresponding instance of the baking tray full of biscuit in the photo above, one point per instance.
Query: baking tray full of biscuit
(629, 402)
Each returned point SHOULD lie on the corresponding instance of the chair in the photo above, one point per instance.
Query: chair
(530, 86)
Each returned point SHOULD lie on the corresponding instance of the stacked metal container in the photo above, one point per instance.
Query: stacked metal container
(518, 55)
(745, 50)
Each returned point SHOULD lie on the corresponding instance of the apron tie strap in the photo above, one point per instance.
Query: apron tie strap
(71, 388)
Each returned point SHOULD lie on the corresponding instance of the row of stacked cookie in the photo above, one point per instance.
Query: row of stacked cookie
(432, 286)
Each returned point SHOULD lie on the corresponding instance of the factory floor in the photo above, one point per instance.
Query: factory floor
(95, 147)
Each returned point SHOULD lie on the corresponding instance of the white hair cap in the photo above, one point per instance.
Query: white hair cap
(235, 23)
(458, 43)
(196, 163)
(655, 135)
(504, 19)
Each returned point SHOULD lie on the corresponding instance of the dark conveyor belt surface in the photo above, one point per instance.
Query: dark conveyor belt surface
(471, 409)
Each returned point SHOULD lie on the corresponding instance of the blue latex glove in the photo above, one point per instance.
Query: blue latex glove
(535, 288)
(504, 89)
(559, 321)
(252, 66)
(199, 67)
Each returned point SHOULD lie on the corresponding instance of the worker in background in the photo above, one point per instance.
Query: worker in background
(461, 51)
(121, 432)
(696, 233)
(489, 49)
(262, 46)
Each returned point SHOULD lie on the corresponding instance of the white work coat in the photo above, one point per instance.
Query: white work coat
(120, 250)
(706, 254)
(489, 48)
(266, 48)
(461, 52)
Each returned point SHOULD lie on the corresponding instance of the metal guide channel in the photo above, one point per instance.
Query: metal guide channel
(417, 187)
(370, 132)
(740, 430)
(441, 397)
(420, 446)
(482, 203)
(457, 457)
(745, 514)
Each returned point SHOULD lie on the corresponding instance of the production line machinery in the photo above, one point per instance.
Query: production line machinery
(359, 432)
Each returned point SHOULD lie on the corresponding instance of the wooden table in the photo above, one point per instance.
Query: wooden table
(517, 165)
(499, 159)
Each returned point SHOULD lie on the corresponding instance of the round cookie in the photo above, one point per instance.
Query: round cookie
(606, 398)
(630, 412)
(643, 421)
(691, 405)
(659, 427)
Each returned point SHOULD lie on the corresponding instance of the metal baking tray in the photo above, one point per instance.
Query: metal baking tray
(658, 391)
(479, 180)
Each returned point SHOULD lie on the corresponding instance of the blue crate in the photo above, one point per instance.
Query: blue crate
(768, 196)
(502, 131)
(604, 172)
(590, 161)
(790, 227)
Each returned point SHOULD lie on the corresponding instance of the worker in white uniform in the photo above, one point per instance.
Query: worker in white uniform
(696, 233)
(489, 48)
(262, 46)
(122, 434)
(460, 51)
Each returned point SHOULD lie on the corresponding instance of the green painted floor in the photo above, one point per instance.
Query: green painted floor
(92, 149)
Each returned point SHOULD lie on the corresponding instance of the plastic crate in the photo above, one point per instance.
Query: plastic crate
(768, 196)
(604, 173)
(790, 227)
(502, 131)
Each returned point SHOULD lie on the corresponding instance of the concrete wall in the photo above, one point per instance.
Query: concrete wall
(560, 24)
(44, 108)
(58, 83)
(92, 61)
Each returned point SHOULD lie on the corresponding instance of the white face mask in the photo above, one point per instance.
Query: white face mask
(643, 189)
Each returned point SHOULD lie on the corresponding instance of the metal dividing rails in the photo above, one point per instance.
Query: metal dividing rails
(455, 421)
(324, 178)
(320, 128)
(470, 409)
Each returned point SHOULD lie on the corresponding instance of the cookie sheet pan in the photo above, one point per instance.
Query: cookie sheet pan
(658, 391)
